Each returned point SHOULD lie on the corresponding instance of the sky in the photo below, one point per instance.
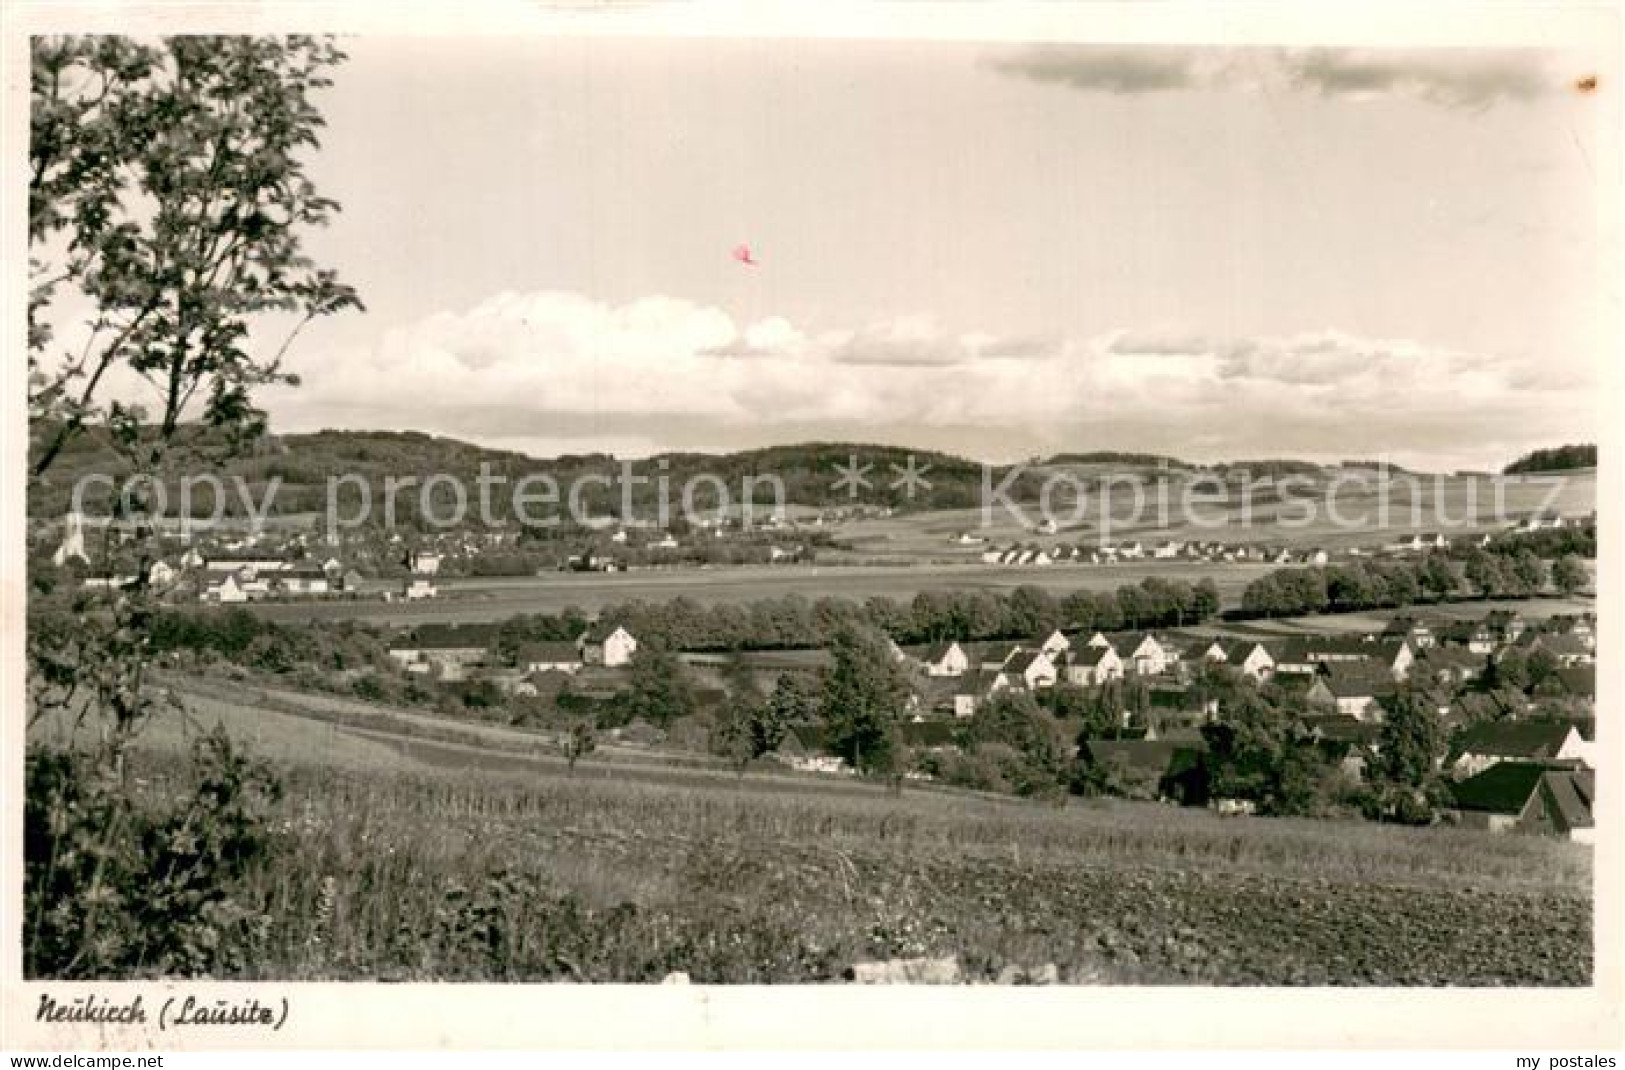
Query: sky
(1000, 250)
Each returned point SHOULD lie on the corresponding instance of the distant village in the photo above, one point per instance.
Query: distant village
(1521, 754)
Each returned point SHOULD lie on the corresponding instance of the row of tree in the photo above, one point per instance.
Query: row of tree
(1435, 577)
(792, 621)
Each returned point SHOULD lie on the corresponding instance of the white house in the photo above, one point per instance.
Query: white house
(1089, 666)
(946, 659)
(419, 586)
(426, 563)
(1147, 656)
(1034, 669)
(1487, 744)
(161, 573)
(609, 647)
(1055, 643)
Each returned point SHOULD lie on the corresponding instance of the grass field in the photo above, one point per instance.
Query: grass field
(409, 858)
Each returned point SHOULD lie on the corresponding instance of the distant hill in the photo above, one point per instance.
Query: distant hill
(305, 463)
(1557, 459)
(1146, 460)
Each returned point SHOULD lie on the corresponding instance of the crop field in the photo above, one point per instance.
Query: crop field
(411, 859)
(1366, 513)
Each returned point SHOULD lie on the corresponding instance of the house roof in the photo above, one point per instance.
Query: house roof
(1343, 729)
(1088, 655)
(1570, 802)
(1514, 739)
(1239, 650)
(601, 631)
(1562, 644)
(1507, 787)
(1160, 756)
(1578, 680)
(1357, 680)
(450, 637)
(551, 652)
(1503, 788)
(1022, 660)
(1451, 657)
(928, 734)
(938, 651)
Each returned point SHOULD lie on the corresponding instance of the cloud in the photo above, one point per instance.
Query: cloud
(1454, 78)
(563, 368)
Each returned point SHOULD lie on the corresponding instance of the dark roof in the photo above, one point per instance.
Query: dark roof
(1503, 788)
(1021, 660)
(1515, 739)
(1578, 680)
(928, 734)
(1343, 729)
(1561, 643)
(1160, 756)
(938, 651)
(1488, 706)
(602, 630)
(451, 636)
(1568, 798)
(1238, 650)
(1088, 655)
(549, 653)
(1354, 680)
(1507, 787)
(1450, 657)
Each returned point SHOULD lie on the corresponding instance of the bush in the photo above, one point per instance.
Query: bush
(117, 887)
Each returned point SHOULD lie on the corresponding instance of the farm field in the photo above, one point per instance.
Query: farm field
(1366, 513)
(473, 600)
(411, 859)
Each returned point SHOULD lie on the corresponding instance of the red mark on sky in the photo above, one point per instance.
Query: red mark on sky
(1587, 84)
(742, 254)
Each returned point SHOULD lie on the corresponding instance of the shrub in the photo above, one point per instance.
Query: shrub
(117, 886)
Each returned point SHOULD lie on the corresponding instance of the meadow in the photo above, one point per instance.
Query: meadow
(409, 858)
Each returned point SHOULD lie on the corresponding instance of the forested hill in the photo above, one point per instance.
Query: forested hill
(1557, 459)
(306, 463)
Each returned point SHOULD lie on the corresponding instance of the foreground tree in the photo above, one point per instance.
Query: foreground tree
(865, 692)
(1569, 575)
(168, 201)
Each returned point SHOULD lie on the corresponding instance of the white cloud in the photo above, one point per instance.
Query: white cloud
(561, 366)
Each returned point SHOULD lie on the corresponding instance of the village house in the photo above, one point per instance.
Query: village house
(1352, 689)
(1409, 630)
(254, 563)
(448, 651)
(608, 646)
(1170, 769)
(418, 586)
(1091, 666)
(1528, 797)
(1248, 656)
(1032, 669)
(1448, 665)
(1145, 654)
(1505, 625)
(1568, 649)
(946, 659)
(1484, 745)
(1055, 643)
(425, 563)
(301, 580)
(562, 657)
